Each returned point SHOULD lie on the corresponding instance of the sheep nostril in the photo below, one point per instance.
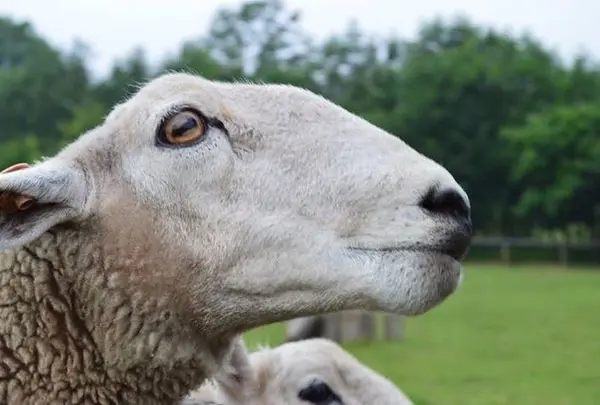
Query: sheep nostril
(447, 202)
(451, 204)
(317, 392)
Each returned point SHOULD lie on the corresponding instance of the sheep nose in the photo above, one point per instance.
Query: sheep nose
(319, 393)
(454, 205)
(447, 201)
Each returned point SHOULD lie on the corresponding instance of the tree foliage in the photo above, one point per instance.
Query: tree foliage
(558, 167)
(516, 125)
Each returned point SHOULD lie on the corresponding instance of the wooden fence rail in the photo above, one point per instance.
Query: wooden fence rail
(521, 250)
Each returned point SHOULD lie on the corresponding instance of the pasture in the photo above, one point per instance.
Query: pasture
(511, 336)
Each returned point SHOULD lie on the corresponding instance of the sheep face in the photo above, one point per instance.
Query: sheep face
(310, 372)
(242, 204)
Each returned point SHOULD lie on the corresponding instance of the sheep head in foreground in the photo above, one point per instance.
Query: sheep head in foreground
(309, 372)
(198, 210)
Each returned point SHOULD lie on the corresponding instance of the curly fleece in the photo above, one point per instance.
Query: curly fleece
(69, 336)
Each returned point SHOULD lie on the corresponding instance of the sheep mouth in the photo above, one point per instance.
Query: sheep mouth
(443, 251)
(410, 280)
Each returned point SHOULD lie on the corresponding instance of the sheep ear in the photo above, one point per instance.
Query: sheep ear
(240, 361)
(33, 199)
(237, 371)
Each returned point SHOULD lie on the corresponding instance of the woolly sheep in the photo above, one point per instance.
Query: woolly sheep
(309, 372)
(197, 210)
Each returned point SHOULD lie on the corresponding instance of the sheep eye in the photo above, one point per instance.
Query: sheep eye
(182, 129)
(319, 393)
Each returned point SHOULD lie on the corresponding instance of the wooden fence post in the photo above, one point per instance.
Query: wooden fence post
(357, 325)
(505, 253)
(563, 254)
(394, 327)
(347, 326)
(333, 327)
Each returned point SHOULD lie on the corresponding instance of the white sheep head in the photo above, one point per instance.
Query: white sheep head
(309, 372)
(220, 207)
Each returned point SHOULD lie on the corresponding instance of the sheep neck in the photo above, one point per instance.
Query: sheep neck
(65, 339)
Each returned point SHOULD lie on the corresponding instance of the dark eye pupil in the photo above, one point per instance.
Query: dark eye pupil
(185, 126)
(317, 392)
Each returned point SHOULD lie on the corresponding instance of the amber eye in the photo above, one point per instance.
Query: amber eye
(183, 128)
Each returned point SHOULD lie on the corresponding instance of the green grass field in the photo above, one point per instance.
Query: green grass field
(518, 336)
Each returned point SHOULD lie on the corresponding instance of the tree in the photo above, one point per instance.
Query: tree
(123, 79)
(195, 59)
(458, 87)
(558, 167)
(38, 84)
(258, 37)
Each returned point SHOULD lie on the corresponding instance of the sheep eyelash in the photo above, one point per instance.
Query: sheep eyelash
(209, 122)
